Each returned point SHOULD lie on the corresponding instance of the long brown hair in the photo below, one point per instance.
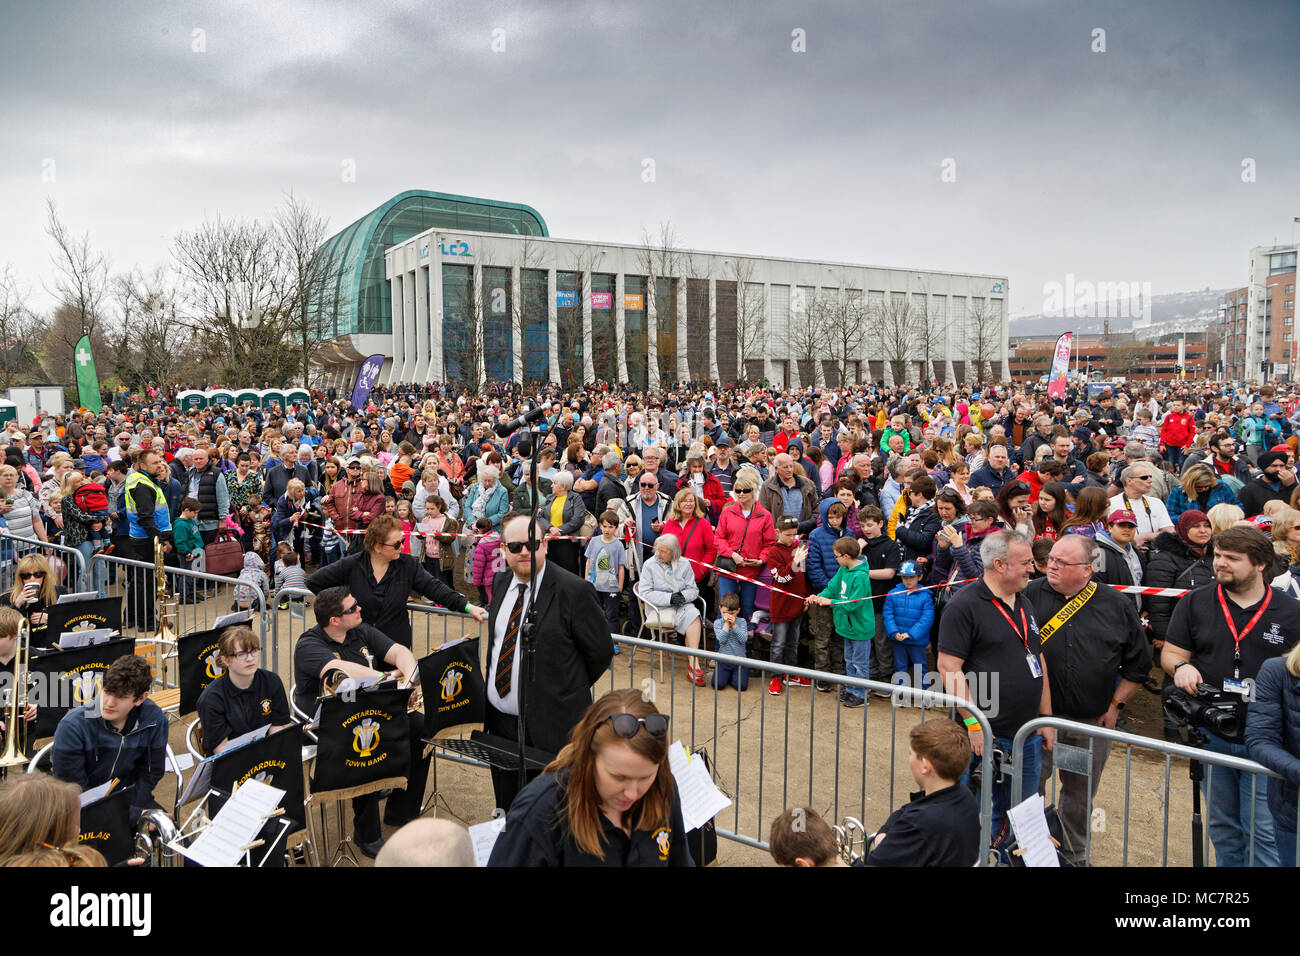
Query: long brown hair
(578, 757)
(39, 816)
(1089, 505)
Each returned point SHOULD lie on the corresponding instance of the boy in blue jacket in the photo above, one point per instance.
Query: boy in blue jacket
(828, 647)
(909, 615)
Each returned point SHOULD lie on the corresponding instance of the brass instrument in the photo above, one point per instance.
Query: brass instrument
(14, 755)
(155, 831)
(163, 609)
(851, 840)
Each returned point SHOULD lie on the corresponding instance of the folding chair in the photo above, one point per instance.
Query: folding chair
(662, 621)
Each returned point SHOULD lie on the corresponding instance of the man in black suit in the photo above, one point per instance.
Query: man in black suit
(572, 645)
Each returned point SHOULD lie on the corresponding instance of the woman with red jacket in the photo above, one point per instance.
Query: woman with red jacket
(706, 487)
(694, 533)
(745, 532)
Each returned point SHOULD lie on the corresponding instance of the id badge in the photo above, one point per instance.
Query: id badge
(1233, 686)
(1033, 665)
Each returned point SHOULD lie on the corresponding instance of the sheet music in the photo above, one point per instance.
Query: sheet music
(350, 685)
(96, 793)
(78, 596)
(484, 837)
(70, 639)
(255, 734)
(1030, 824)
(236, 617)
(222, 842)
(700, 797)
(181, 762)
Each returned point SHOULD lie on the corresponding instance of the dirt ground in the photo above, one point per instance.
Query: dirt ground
(799, 749)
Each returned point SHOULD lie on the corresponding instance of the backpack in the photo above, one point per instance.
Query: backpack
(91, 497)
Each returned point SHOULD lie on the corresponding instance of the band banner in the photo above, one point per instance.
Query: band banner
(71, 678)
(1060, 366)
(83, 363)
(362, 740)
(454, 689)
(366, 380)
(196, 655)
(106, 826)
(275, 760)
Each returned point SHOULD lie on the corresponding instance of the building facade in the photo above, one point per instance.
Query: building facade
(1269, 346)
(1126, 356)
(472, 305)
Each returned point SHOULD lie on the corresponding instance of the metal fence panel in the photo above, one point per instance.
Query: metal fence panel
(69, 563)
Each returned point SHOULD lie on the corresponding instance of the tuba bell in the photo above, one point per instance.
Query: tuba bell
(14, 755)
(154, 835)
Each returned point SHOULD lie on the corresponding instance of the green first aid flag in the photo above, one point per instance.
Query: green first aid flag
(87, 380)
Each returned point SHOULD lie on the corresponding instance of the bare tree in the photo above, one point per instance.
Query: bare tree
(21, 332)
(149, 343)
(311, 294)
(984, 337)
(530, 256)
(81, 286)
(841, 319)
(890, 322)
(928, 328)
(236, 286)
(660, 258)
(805, 336)
(751, 316)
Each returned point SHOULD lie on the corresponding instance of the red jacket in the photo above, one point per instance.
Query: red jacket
(701, 547)
(1178, 431)
(758, 537)
(784, 608)
(713, 494)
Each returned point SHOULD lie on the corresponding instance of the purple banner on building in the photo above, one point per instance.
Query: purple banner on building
(366, 380)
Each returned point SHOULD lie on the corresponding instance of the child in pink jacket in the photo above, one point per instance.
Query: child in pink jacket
(487, 560)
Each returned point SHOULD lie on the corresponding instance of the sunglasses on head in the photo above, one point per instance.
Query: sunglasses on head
(514, 547)
(627, 725)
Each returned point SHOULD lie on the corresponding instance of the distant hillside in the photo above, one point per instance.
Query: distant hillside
(1174, 311)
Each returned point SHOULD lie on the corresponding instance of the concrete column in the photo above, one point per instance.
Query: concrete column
(437, 369)
(620, 328)
(516, 317)
(552, 327)
(651, 334)
(767, 331)
(409, 306)
(683, 367)
(588, 366)
(479, 319)
(420, 372)
(399, 327)
(713, 330)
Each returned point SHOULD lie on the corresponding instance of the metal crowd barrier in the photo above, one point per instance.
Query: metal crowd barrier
(802, 748)
(1080, 760)
(72, 561)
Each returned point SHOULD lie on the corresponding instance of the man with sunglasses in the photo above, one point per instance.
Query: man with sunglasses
(1152, 515)
(572, 648)
(340, 641)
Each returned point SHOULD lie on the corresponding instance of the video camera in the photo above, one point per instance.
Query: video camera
(1221, 713)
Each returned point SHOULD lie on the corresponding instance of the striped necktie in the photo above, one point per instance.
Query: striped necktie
(506, 658)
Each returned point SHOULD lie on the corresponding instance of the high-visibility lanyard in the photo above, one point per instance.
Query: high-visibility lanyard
(1232, 628)
(1023, 631)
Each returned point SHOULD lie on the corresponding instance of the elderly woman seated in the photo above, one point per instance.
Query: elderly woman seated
(669, 591)
(562, 515)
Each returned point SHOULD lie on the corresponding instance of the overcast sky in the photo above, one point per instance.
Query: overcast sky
(1122, 165)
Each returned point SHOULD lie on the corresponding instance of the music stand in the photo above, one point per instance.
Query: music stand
(84, 616)
(499, 752)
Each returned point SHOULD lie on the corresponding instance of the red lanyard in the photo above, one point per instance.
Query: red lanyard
(1024, 623)
(1232, 628)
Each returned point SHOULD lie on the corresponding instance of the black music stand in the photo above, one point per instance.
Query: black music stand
(498, 752)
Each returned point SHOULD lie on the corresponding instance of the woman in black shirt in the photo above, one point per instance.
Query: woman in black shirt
(608, 799)
(245, 697)
(33, 594)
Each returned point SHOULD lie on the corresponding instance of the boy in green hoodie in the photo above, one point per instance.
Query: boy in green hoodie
(855, 621)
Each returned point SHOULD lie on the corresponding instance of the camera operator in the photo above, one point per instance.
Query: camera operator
(1221, 636)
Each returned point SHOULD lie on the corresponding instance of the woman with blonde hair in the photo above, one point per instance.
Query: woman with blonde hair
(61, 465)
(33, 593)
(607, 799)
(1200, 488)
(1224, 516)
(1273, 739)
(39, 823)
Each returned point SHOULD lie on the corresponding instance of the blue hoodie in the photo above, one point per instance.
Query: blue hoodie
(821, 551)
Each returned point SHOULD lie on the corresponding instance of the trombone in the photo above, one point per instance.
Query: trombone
(15, 749)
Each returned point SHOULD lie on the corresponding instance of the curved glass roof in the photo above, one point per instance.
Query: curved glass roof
(362, 294)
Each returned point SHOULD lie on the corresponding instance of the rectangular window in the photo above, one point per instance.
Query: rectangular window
(568, 328)
(725, 325)
(604, 354)
(535, 339)
(666, 328)
(778, 314)
(457, 322)
(635, 340)
(498, 332)
(697, 329)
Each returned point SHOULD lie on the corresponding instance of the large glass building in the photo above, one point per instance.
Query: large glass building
(489, 296)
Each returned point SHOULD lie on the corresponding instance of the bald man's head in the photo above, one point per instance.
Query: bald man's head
(427, 842)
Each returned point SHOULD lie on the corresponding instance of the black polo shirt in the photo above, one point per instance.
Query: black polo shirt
(881, 552)
(973, 629)
(225, 711)
(1101, 641)
(536, 834)
(315, 649)
(937, 829)
(1197, 625)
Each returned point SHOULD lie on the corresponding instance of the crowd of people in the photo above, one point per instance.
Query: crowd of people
(880, 533)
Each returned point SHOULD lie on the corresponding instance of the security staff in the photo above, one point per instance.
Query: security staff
(1221, 635)
(1091, 635)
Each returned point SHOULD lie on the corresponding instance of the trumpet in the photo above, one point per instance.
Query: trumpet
(14, 754)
